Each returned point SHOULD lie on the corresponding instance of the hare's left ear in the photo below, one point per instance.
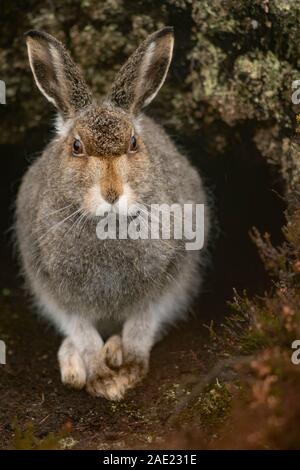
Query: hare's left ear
(140, 79)
(55, 73)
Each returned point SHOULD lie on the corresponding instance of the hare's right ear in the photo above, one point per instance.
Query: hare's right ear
(55, 73)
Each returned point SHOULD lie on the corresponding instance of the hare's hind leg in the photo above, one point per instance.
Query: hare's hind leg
(125, 358)
(118, 371)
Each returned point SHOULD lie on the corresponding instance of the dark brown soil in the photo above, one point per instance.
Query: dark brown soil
(31, 391)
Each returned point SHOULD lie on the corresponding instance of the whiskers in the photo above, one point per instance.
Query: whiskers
(57, 224)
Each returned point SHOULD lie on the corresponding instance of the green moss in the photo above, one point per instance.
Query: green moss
(214, 405)
(209, 410)
(26, 439)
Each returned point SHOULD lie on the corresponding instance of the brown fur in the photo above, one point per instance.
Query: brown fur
(104, 131)
(111, 182)
(105, 135)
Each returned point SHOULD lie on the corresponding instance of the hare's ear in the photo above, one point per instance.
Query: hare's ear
(55, 73)
(140, 79)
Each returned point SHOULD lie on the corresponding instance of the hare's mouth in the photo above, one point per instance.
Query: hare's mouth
(97, 205)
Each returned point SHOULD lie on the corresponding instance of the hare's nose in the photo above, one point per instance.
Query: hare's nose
(111, 196)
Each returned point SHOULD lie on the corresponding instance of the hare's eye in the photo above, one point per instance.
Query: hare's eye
(77, 147)
(133, 144)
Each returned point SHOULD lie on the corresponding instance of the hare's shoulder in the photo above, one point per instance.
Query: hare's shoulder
(31, 186)
(181, 177)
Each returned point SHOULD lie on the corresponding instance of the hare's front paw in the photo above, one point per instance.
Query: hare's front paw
(117, 372)
(72, 368)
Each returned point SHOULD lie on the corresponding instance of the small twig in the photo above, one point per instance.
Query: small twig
(205, 381)
(44, 419)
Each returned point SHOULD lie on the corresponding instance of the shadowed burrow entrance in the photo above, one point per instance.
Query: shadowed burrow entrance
(245, 192)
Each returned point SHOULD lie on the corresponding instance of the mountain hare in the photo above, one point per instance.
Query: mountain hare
(105, 156)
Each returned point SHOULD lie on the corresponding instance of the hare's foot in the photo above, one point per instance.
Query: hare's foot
(72, 368)
(117, 371)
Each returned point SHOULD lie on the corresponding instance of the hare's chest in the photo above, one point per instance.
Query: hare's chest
(107, 271)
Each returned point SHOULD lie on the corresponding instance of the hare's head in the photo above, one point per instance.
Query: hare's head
(102, 161)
